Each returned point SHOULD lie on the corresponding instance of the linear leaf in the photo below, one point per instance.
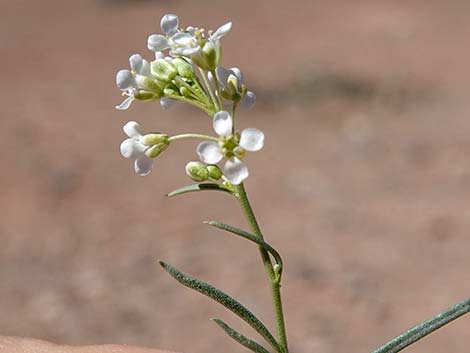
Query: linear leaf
(251, 237)
(244, 341)
(224, 299)
(197, 187)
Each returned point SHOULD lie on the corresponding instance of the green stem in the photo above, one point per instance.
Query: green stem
(217, 88)
(192, 102)
(234, 107)
(268, 266)
(425, 328)
(209, 89)
(196, 136)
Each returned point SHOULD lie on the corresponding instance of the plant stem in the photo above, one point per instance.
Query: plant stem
(196, 136)
(209, 89)
(273, 280)
(191, 102)
(425, 328)
(217, 88)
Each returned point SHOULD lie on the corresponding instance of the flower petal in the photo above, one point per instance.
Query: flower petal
(157, 42)
(248, 100)
(209, 152)
(185, 51)
(132, 149)
(221, 31)
(143, 165)
(222, 76)
(125, 80)
(139, 65)
(235, 171)
(169, 24)
(238, 74)
(126, 103)
(184, 39)
(133, 130)
(252, 139)
(167, 103)
(222, 123)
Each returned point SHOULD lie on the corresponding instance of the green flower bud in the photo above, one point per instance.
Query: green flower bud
(184, 68)
(171, 90)
(185, 92)
(197, 171)
(232, 83)
(153, 139)
(214, 172)
(155, 150)
(164, 70)
(146, 96)
(209, 56)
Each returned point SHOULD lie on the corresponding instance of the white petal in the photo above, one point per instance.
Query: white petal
(252, 139)
(169, 24)
(184, 39)
(126, 103)
(157, 42)
(221, 31)
(143, 165)
(167, 103)
(185, 51)
(159, 55)
(209, 152)
(139, 65)
(239, 75)
(125, 80)
(235, 171)
(222, 123)
(131, 148)
(222, 76)
(248, 100)
(133, 130)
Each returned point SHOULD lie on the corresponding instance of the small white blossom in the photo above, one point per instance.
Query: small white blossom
(129, 81)
(190, 43)
(231, 146)
(231, 84)
(142, 148)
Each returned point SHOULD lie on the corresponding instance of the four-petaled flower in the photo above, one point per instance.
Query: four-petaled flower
(231, 84)
(205, 52)
(142, 148)
(130, 81)
(231, 146)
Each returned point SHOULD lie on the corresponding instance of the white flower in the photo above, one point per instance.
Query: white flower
(191, 43)
(232, 86)
(142, 148)
(130, 81)
(231, 146)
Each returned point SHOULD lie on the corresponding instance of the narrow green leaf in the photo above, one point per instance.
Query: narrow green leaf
(198, 187)
(251, 237)
(224, 299)
(425, 328)
(250, 344)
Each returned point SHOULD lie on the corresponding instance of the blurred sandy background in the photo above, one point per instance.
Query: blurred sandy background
(363, 184)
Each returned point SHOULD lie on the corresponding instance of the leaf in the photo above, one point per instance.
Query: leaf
(224, 299)
(244, 341)
(251, 237)
(197, 187)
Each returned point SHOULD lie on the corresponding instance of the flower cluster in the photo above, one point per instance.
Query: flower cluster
(186, 68)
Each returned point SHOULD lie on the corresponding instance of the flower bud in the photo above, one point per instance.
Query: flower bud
(163, 69)
(209, 56)
(146, 96)
(184, 68)
(171, 90)
(232, 83)
(155, 150)
(214, 172)
(197, 171)
(153, 139)
(185, 92)
(150, 84)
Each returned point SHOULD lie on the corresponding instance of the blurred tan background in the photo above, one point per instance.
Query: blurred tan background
(363, 185)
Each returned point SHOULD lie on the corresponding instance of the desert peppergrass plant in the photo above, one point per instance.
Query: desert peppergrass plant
(187, 68)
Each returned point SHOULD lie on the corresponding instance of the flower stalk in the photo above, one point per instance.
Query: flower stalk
(268, 266)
